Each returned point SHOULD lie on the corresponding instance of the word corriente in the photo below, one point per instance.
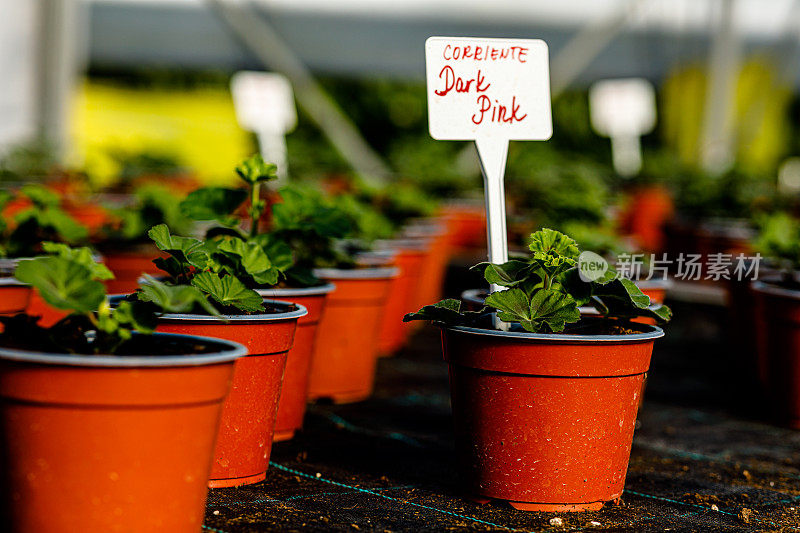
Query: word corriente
(485, 53)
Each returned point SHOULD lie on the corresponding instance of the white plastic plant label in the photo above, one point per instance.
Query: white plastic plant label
(264, 102)
(488, 88)
(624, 110)
(489, 91)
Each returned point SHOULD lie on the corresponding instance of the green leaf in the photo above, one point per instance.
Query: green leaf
(184, 249)
(82, 255)
(302, 277)
(623, 299)
(49, 222)
(229, 291)
(62, 283)
(552, 308)
(546, 310)
(551, 242)
(136, 316)
(660, 312)
(41, 196)
(250, 258)
(447, 312)
(214, 203)
(254, 170)
(508, 274)
(170, 265)
(622, 292)
(174, 298)
(278, 250)
(512, 304)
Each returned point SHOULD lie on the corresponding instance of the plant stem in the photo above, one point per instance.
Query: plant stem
(255, 213)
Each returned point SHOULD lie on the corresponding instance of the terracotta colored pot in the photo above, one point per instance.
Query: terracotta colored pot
(294, 393)
(343, 365)
(545, 422)
(92, 216)
(434, 235)
(466, 224)
(14, 296)
(402, 294)
(780, 311)
(649, 209)
(110, 443)
(128, 266)
(243, 447)
(38, 307)
(35, 305)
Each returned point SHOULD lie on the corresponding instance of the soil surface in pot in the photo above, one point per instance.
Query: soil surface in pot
(702, 460)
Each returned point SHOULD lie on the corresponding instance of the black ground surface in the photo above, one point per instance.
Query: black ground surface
(705, 457)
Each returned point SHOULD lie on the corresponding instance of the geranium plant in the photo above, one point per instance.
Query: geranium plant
(71, 280)
(304, 227)
(39, 219)
(544, 291)
(152, 205)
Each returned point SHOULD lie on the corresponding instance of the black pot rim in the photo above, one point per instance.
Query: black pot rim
(299, 291)
(232, 351)
(651, 333)
(301, 311)
(332, 274)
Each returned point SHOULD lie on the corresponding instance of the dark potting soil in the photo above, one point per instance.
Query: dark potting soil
(705, 457)
(74, 334)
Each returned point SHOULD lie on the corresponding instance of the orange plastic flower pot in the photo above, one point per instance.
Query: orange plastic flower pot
(545, 422)
(294, 393)
(648, 210)
(343, 365)
(402, 294)
(14, 296)
(92, 216)
(38, 307)
(466, 223)
(243, 447)
(110, 443)
(434, 235)
(780, 309)
(128, 266)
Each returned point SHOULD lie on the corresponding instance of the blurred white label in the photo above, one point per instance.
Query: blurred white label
(622, 108)
(264, 102)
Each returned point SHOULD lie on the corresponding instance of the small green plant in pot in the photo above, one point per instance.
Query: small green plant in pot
(345, 354)
(30, 217)
(123, 242)
(314, 230)
(777, 315)
(303, 233)
(233, 267)
(116, 412)
(544, 406)
(221, 271)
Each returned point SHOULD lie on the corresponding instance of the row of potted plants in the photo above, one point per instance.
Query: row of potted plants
(333, 350)
(214, 286)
